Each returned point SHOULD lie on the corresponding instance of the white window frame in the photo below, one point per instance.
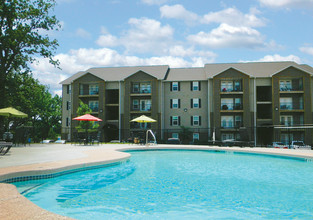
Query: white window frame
(93, 89)
(175, 86)
(196, 120)
(285, 85)
(175, 103)
(195, 86)
(195, 103)
(175, 120)
(145, 105)
(227, 136)
(227, 121)
(145, 87)
(286, 101)
(195, 136)
(229, 102)
(227, 86)
(286, 120)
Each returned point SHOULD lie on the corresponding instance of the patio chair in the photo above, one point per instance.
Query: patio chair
(5, 148)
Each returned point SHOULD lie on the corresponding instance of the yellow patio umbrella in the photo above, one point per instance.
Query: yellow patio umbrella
(12, 112)
(143, 119)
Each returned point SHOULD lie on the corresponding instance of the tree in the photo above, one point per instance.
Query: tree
(23, 36)
(44, 111)
(85, 126)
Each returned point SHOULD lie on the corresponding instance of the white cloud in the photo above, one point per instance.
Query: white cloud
(82, 59)
(234, 17)
(178, 12)
(287, 3)
(307, 50)
(80, 32)
(154, 2)
(229, 36)
(277, 57)
(147, 35)
(107, 40)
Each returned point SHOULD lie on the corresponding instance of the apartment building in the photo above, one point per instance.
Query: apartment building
(257, 102)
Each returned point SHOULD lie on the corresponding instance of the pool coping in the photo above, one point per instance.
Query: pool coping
(15, 206)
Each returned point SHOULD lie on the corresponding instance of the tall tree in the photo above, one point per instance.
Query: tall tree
(24, 25)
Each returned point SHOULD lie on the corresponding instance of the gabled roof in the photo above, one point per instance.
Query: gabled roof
(120, 73)
(186, 74)
(255, 69)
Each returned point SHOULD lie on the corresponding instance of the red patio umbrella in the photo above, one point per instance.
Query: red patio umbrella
(87, 117)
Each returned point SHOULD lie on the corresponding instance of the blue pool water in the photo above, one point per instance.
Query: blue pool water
(182, 185)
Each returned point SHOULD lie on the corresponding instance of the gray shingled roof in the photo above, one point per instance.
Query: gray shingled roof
(254, 69)
(120, 73)
(186, 74)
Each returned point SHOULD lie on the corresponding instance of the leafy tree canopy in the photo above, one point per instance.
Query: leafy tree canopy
(24, 26)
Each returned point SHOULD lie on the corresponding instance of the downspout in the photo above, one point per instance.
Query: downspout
(209, 123)
(162, 110)
(119, 112)
(254, 92)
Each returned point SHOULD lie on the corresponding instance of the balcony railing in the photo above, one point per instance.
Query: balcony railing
(94, 109)
(290, 88)
(89, 92)
(291, 106)
(141, 91)
(140, 125)
(231, 106)
(231, 125)
(141, 108)
(231, 89)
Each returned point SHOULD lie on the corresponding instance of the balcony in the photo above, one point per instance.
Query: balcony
(231, 106)
(290, 106)
(231, 89)
(291, 85)
(88, 90)
(141, 88)
(141, 108)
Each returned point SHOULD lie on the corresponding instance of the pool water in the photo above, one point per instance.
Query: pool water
(182, 185)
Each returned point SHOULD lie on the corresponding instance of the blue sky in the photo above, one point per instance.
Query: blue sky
(184, 33)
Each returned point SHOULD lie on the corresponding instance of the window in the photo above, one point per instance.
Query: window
(195, 86)
(227, 136)
(136, 87)
(68, 105)
(145, 88)
(285, 85)
(175, 120)
(195, 103)
(195, 120)
(68, 89)
(238, 85)
(238, 121)
(135, 104)
(238, 105)
(94, 106)
(285, 103)
(175, 86)
(175, 103)
(67, 122)
(286, 120)
(93, 89)
(286, 138)
(227, 121)
(227, 104)
(145, 105)
(175, 135)
(195, 136)
(226, 86)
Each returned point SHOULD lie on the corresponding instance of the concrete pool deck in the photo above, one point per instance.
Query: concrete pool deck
(40, 159)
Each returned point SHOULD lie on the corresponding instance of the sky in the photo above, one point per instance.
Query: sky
(178, 33)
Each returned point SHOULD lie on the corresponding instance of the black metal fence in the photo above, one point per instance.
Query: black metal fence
(242, 136)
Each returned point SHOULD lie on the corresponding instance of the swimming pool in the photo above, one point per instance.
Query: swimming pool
(182, 185)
